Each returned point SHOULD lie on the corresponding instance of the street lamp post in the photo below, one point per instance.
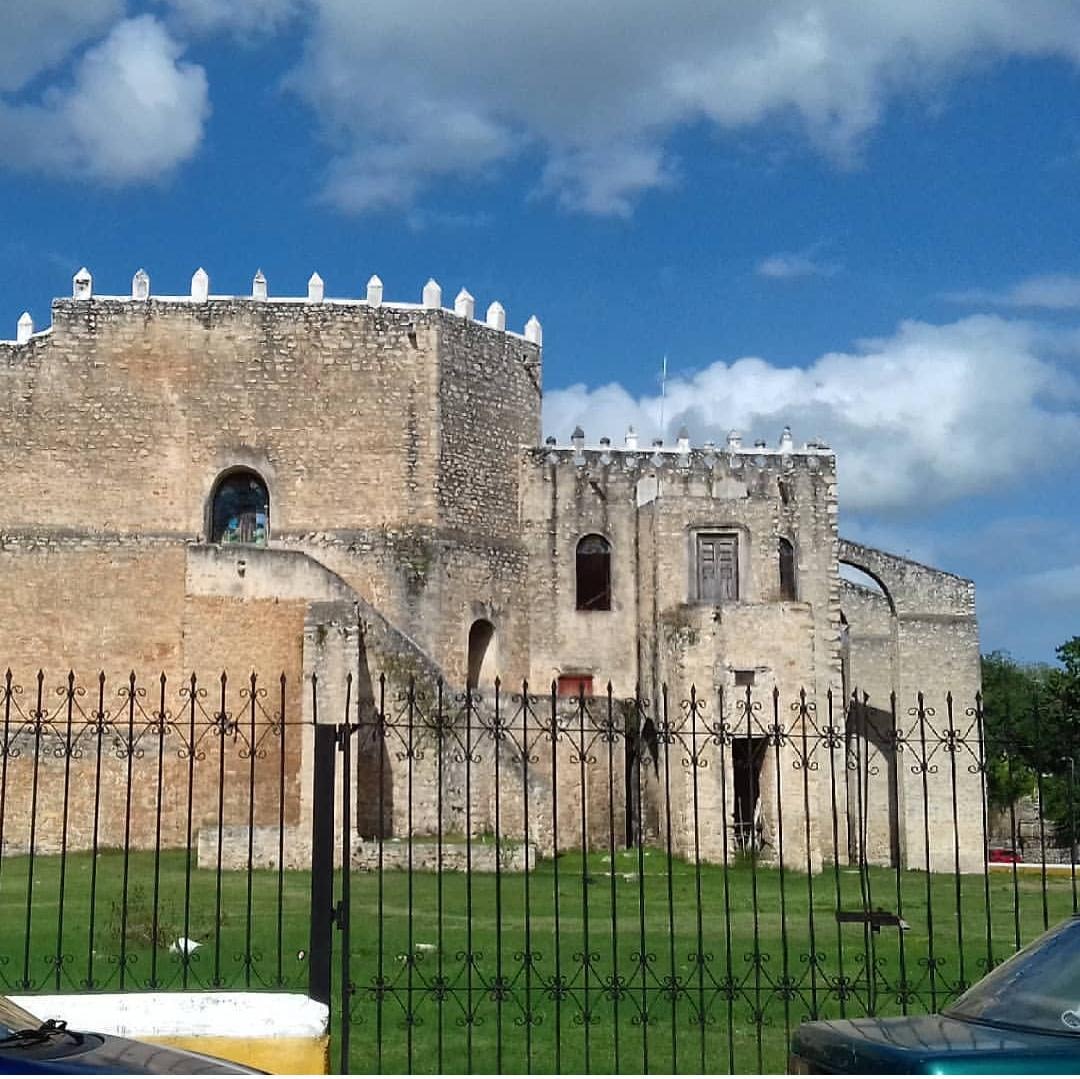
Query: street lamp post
(1071, 762)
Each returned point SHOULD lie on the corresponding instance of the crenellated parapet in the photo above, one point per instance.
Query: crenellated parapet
(200, 294)
(732, 464)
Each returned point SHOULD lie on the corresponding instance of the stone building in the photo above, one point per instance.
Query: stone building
(321, 486)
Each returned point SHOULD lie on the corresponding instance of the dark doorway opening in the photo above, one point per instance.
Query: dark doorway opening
(593, 569)
(787, 569)
(481, 653)
(747, 759)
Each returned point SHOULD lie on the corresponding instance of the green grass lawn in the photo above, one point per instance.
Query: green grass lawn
(486, 974)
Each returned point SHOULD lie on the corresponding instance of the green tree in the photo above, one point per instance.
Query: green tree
(1009, 689)
(1061, 786)
(1032, 731)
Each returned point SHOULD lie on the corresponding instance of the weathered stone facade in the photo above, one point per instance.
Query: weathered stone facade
(417, 529)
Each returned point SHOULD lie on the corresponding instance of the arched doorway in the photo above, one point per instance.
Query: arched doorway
(240, 509)
(483, 661)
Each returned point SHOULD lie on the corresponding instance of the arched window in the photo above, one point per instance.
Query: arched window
(787, 569)
(240, 511)
(481, 653)
(593, 569)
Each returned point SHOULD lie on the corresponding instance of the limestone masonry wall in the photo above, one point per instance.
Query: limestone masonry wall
(650, 506)
(418, 532)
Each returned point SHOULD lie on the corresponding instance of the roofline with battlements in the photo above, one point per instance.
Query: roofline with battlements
(431, 300)
(732, 448)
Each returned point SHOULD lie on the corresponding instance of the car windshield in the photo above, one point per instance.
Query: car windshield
(13, 1018)
(1038, 988)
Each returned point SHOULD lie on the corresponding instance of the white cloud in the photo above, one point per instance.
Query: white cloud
(417, 91)
(133, 110)
(35, 35)
(606, 179)
(928, 415)
(1053, 292)
(388, 172)
(786, 265)
(246, 18)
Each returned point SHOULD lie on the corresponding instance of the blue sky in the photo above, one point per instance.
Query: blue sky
(856, 218)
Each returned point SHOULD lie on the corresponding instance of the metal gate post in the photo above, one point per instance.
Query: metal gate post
(322, 864)
(341, 919)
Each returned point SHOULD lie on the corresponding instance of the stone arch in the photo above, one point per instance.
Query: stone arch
(849, 557)
(867, 561)
(238, 509)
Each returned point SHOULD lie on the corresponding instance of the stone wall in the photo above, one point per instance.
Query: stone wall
(239, 848)
(387, 437)
(914, 660)
(125, 413)
(408, 501)
(649, 506)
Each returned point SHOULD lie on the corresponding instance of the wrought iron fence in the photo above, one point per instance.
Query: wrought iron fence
(115, 801)
(513, 881)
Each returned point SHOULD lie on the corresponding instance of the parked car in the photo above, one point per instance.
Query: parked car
(1004, 855)
(1023, 1017)
(30, 1047)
